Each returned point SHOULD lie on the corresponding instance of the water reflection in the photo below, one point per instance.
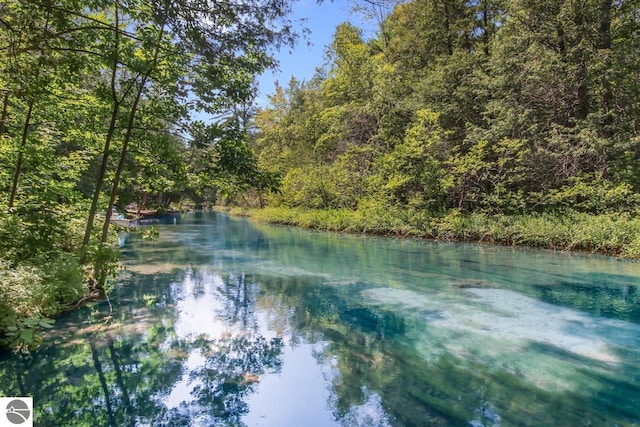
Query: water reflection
(168, 362)
(224, 323)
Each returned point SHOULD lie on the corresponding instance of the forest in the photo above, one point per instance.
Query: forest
(508, 121)
(106, 103)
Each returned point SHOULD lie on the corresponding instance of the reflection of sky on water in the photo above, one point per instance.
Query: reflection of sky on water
(196, 304)
(221, 322)
(276, 400)
(300, 392)
(181, 390)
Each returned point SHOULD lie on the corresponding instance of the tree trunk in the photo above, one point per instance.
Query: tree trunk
(127, 139)
(605, 25)
(99, 183)
(3, 118)
(123, 155)
(18, 170)
(486, 36)
(605, 47)
(582, 109)
(107, 145)
(447, 28)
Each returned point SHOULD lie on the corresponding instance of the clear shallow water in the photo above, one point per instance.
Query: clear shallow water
(226, 323)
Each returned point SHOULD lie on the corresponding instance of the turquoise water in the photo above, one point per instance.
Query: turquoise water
(222, 322)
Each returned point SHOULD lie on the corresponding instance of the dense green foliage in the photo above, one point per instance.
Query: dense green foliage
(104, 103)
(467, 119)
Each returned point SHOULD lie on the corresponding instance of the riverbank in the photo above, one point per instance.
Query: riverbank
(42, 275)
(611, 234)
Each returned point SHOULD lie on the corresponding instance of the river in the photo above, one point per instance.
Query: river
(223, 322)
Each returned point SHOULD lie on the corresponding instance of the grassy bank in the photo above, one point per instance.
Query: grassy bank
(612, 234)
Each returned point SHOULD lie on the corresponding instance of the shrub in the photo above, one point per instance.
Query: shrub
(20, 313)
(33, 293)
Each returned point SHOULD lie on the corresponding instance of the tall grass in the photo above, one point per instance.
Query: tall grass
(613, 234)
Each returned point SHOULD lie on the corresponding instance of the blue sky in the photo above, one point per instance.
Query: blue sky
(302, 61)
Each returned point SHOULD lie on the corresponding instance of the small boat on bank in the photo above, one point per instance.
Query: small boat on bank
(139, 212)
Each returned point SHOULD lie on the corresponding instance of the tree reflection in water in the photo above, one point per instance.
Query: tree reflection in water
(232, 367)
(121, 374)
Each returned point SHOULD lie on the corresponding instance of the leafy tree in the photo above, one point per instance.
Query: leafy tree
(521, 96)
(92, 95)
(413, 172)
